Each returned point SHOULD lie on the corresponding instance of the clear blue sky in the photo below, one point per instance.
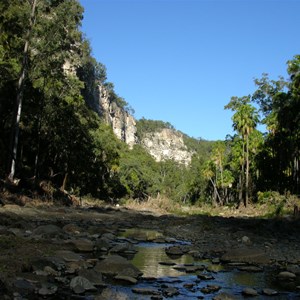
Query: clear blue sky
(180, 61)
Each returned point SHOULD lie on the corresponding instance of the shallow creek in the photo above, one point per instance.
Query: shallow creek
(161, 271)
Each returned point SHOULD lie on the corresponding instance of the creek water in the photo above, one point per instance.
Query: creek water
(161, 271)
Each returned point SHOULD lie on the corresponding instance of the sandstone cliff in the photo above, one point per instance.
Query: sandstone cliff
(122, 123)
(161, 143)
(167, 144)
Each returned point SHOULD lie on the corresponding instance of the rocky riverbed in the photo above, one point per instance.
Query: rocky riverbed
(83, 253)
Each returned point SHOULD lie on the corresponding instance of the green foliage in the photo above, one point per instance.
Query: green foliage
(63, 140)
(138, 173)
(145, 126)
(200, 146)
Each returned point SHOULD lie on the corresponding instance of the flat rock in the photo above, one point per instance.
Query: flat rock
(225, 296)
(117, 265)
(246, 255)
(269, 292)
(121, 248)
(110, 294)
(146, 291)
(127, 279)
(48, 231)
(210, 289)
(251, 269)
(250, 292)
(68, 256)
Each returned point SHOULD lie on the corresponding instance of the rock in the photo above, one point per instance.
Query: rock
(108, 236)
(121, 121)
(117, 265)
(293, 269)
(167, 263)
(48, 231)
(74, 266)
(93, 276)
(103, 244)
(167, 144)
(269, 292)
(80, 284)
(68, 256)
(110, 294)
(50, 271)
(205, 276)
(121, 248)
(174, 250)
(170, 292)
(159, 240)
(47, 290)
(246, 240)
(215, 261)
(286, 275)
(72, 229)
(252, 269)
(55, 263)
(126, 279)
(146, 291)
(224, 296)
(22, 284)
(210, 289)
(246, 255)
(250, 292)
(83, 245)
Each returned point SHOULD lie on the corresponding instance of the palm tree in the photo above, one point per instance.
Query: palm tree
(244, 120)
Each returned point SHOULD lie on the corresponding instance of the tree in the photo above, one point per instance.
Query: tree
(244, 120)
(280, 105)
(20, 91)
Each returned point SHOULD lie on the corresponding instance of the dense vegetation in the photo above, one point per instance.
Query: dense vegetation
(50, 131)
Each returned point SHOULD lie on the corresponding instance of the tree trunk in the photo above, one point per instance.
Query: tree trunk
(19, 99)
(63, 187)
(216, 194)
(247, 172)
(241, 180)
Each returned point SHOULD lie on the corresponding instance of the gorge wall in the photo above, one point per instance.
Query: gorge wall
(162, 144)
(121, 121)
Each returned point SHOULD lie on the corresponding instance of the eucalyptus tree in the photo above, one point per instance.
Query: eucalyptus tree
(244, 120)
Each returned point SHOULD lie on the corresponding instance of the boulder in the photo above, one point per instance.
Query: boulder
(48, 231)
(80, 284)
(117, 265)
(83, 245)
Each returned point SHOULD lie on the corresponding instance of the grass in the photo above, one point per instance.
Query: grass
(267, 209)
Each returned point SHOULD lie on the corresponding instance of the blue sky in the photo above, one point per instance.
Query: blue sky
(180, 61)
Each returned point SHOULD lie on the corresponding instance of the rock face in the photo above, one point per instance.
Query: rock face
(167, 144)
(162, 144)
(122, 123)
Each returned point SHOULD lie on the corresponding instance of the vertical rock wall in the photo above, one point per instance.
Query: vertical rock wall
(122, 123)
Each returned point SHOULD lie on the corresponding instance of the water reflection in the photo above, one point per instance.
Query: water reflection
(149, 257)
(141, 234)
(149, 260)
